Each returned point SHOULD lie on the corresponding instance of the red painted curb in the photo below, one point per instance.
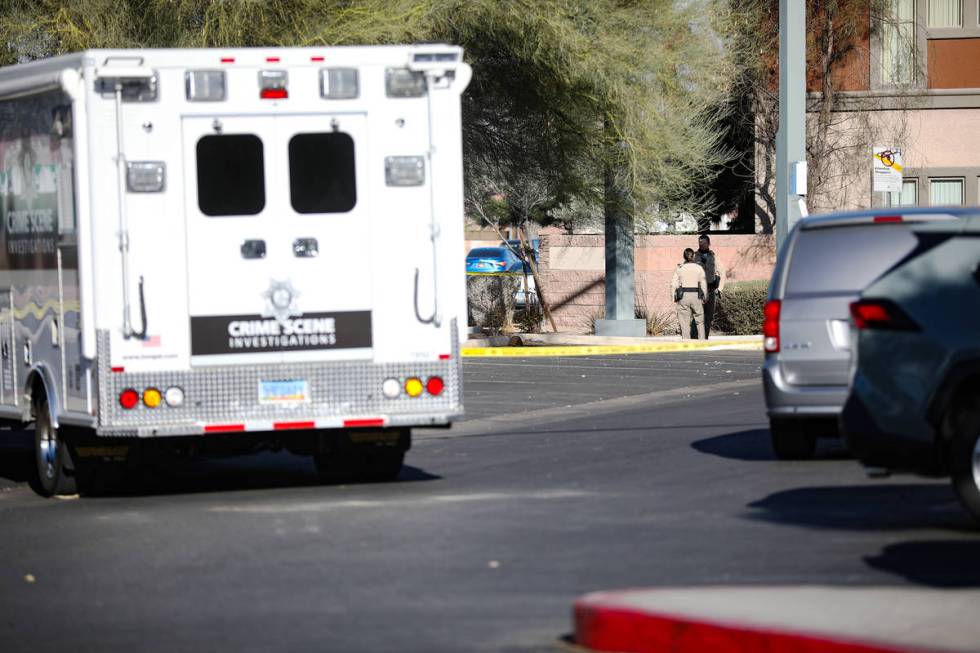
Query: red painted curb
(617, 629)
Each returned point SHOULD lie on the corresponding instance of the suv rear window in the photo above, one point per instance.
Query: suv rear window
(230, 175)
(845, 259)
(321, 173)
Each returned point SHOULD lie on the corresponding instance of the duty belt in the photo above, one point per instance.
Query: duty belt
(694, 289)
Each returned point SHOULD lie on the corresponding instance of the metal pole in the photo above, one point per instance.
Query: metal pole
(791, 137)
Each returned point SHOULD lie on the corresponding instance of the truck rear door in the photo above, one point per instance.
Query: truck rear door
(278, 238)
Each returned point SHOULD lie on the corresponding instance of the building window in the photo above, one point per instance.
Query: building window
(909, 195)
(946, 192)
(898, 43)
(945, 13)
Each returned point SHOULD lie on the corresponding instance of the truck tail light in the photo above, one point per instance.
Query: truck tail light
(770, 325)
(273, 84)
(128, 398)
(434, 386)
(881, 314)
(338, 83)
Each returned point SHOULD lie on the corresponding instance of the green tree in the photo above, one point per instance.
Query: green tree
(563, 89)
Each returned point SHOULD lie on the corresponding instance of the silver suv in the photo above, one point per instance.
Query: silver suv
(822, 267)
(915, 392)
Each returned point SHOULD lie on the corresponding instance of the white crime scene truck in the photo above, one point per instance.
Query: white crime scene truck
(230, 250)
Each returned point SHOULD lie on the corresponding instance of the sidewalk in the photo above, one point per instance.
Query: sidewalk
(563, 344)
(803, 619)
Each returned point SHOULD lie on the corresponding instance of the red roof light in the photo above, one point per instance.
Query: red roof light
(274, 94)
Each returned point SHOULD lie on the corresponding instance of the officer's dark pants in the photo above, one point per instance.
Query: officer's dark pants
(709, 311)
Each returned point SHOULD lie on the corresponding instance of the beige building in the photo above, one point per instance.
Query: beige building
(911, 84)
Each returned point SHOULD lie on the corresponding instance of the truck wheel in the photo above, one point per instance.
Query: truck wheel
(55, 470)
(359, 466)
(965, 457)
(792, 440)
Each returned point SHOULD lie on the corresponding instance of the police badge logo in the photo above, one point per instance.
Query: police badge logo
(280, 301)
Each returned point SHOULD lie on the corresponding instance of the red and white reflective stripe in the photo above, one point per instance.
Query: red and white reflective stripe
(267, 425)
(362, 423)
(286, 426)
(224, 428)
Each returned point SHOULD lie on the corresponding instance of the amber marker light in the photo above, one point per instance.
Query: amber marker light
(152, 397)
(413, 387)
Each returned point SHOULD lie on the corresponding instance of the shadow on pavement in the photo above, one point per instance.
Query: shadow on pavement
(754, 445)
(937, 563)
(882, 507)
(259, 472)
(16, 457)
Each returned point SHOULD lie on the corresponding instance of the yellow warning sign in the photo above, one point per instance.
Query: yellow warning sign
(887, 170)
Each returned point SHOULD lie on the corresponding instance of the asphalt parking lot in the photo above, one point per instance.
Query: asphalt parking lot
(491, 533)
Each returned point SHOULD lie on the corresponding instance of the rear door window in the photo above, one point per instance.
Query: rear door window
(321, 173)
(230, 175)
(845, 259)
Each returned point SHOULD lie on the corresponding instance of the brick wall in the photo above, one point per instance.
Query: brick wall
(573, 270)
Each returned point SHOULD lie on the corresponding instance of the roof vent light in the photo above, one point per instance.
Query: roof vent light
(273, 84)
(402, 82)
(338, 83)
(205, 85)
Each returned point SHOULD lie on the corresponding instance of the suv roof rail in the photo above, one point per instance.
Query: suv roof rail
(888, 215)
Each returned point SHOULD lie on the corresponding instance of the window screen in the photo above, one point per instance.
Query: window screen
(321, 173)
(908, 196)
(230, 175)
(945, 192)
(944, 13)
(898, 43)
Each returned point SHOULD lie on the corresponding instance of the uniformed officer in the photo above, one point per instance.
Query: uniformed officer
(690, 289)
(715, 273)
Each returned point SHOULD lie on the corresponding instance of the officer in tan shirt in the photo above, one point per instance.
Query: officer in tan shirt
(690, 289)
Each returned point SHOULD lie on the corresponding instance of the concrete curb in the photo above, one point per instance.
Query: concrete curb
(774, 620)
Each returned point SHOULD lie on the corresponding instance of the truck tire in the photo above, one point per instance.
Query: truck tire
(373, 466)
(792, 439)
(965, 456)
(54, 466)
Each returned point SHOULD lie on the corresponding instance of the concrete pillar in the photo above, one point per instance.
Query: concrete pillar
(620, 269)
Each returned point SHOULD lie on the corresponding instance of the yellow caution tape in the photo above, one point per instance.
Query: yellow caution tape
(599, 350)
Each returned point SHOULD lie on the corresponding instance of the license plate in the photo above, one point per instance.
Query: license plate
(284, 392)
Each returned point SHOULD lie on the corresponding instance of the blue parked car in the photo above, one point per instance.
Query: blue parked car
(484, 260)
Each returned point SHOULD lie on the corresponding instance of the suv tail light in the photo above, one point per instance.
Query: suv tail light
(770, 325)
(881, 314)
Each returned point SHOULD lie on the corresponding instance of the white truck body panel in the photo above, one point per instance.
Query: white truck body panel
(382, 298)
